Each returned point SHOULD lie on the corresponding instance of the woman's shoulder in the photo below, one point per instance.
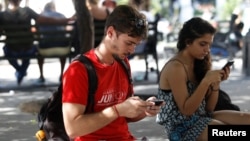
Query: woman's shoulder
(174, 63)
(174, 67)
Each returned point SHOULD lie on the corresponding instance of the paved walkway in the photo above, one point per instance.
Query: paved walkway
(17, 125)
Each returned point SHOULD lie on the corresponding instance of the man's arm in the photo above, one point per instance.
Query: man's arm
(79, 124)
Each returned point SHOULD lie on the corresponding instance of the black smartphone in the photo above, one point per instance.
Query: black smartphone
(228, 64)
(158, 102)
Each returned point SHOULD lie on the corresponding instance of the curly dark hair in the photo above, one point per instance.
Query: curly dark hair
(128, 20)
(191, 30)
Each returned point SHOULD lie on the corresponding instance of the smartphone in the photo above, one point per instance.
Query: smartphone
(228, 64)
(158, 102)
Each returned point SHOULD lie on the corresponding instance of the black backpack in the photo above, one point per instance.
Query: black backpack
(225, 103)
(50, 118)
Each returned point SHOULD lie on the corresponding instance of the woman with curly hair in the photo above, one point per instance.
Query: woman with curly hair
(190, 87)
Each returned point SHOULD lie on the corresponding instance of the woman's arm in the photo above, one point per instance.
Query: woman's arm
(213, 93)
(212, 97)
(177, 78)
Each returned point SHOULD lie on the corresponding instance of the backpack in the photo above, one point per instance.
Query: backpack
(50, 118)
(225, 103)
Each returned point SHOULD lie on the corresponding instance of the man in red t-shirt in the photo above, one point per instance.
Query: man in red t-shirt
(114, 107)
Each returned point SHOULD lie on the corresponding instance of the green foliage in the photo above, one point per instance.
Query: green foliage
(162, 7)
(156, 6)
(228, 8)
(119, 2)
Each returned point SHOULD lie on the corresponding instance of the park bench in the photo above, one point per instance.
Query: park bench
(36, 36)
(69, 52)
(149, 47)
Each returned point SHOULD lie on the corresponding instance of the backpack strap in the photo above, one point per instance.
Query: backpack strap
(128, 72)
(92, 80)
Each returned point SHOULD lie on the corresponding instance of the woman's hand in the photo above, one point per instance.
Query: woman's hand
(214, 76)
(226, 72)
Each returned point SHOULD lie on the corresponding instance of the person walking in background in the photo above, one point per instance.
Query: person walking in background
(190, 88)
(50, 11)
(235, 40)
(114, 102)
(18, 16)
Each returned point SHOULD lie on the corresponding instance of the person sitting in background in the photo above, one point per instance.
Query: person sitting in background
(50, 11)
(99, 13)
(18, 16)
(190, 88)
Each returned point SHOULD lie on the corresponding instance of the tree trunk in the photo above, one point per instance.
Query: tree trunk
(85, 26)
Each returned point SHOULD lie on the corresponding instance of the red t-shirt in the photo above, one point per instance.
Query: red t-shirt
(113, 86)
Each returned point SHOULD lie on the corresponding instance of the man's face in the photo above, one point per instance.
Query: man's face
(122, 45)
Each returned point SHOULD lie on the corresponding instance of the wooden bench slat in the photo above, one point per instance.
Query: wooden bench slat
(37, 37)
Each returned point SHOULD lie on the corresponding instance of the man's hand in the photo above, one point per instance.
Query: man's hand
(153, 110)
(133, 107)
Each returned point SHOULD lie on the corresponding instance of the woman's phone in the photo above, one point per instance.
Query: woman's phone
(228, 64)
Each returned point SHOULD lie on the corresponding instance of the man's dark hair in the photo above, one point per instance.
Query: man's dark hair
(127, 20)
